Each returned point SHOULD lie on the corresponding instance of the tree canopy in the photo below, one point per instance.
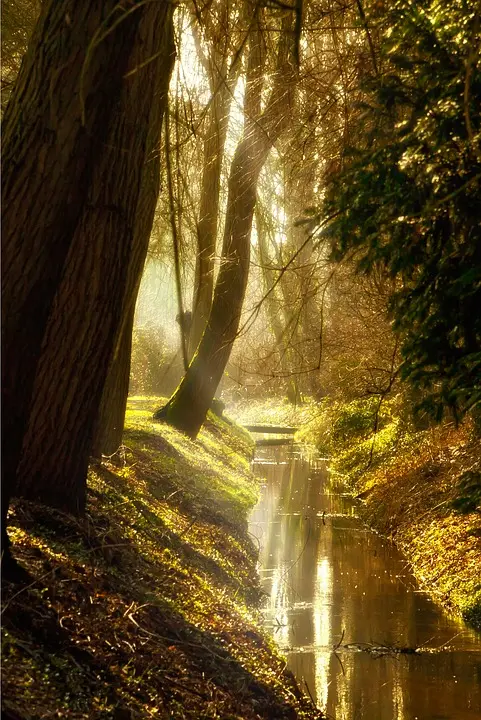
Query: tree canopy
(408, 198)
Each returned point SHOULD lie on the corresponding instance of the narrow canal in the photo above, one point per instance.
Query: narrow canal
(345, 610)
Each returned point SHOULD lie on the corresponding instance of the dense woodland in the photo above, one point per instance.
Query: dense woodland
(307, 177)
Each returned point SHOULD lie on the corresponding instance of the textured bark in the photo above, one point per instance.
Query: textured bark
(188, 406)
(110, 420)
(86, 317)
(53, 131)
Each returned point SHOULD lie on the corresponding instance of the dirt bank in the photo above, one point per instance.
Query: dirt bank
(146, 607)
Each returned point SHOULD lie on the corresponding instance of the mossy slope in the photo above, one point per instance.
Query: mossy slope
(143, 608)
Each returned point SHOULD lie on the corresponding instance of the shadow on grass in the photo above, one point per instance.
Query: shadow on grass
(103, 637)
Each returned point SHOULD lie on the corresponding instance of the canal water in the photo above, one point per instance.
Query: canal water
(347, 613)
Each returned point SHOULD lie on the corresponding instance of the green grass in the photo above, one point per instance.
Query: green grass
(213, 471)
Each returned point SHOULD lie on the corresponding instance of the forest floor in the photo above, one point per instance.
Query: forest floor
(147, 606)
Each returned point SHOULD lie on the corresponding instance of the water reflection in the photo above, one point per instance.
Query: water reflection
(330, 581)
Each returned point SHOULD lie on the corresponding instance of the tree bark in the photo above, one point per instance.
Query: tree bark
(209, 211)
(107, 434)
(188, 406)
(222, 79)
(109, 425)
(54, 129)
(86, 316)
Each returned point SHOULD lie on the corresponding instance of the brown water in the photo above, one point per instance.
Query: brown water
(331, 581)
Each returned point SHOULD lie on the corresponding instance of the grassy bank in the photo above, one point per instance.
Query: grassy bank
(144, 608)
(420, 488)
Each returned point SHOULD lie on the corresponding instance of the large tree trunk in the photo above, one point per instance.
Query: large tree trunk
(54, 130)
(86, 317)
(110, 420)
(188, 406)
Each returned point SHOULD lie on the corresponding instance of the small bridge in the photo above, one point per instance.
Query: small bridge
(274, 429)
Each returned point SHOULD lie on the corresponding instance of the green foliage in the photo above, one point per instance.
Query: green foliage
(472, 610)
(369, 453)
(409, 200)
(357, 420)
(360, 435)
(339, 425)
(317, 432)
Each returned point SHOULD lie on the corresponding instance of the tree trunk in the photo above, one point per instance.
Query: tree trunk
(277, 312)
(209, 211)
(54, 129)
(188, 406)
(307, 326)
(109, 425)
(222, 67)
(110, 420)
(86, 317)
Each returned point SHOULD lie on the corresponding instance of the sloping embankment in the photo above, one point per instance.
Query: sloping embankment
(422, 489)
(144, 607)
(423, 499)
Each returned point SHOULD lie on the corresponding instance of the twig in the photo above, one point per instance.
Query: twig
(309, 692)
(362, 15)
(336, 647)
(340, 662)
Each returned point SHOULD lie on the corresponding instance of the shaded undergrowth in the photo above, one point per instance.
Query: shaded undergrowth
(144, 607)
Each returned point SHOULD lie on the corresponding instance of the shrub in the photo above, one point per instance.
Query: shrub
(369, 453)
(357, 420)
(340, 425)
(469, 492)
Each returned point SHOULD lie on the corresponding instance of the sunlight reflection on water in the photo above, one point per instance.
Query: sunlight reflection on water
(331, 582)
